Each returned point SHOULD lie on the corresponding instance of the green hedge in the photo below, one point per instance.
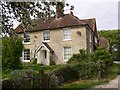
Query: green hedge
(83, 71)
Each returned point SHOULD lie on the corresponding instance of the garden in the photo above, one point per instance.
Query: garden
(83, 70)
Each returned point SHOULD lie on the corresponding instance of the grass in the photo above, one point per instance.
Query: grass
(82, 84)
(85, 84)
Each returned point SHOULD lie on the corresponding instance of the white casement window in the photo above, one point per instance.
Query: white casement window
(67, 53)
(95, 39)
(90, 38)
(67, 34)
(26, 38)
(46, 36)
(26, 54)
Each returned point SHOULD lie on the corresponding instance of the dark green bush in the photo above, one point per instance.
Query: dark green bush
(33, 61)
(81, 56)
(52, 62)
(101, 53)
(82, 70)
(12, 48)
(67, 73)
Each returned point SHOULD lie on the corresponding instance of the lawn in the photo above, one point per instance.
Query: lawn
(85, 84)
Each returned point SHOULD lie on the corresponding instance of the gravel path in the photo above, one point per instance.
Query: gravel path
(112, 84)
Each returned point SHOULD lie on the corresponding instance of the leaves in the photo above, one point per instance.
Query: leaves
(11, 52)
(113, 38)
(22, 12)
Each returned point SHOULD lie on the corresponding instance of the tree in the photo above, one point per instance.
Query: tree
(12, 48)
(23, 11)
(113, 38)
(101, 54)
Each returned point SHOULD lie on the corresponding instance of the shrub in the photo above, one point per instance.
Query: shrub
(81, 56)
(11, 52)
(52, 62)
(82, 70)
(67, 73)
(103, 55)
(33, 61)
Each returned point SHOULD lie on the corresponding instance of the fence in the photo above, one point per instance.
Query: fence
(43, 81)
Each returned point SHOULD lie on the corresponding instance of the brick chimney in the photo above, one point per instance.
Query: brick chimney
(59, 9)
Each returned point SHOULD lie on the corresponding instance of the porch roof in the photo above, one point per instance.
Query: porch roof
(45, 45)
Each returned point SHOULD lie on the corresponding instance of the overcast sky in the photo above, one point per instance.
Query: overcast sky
(105, 12)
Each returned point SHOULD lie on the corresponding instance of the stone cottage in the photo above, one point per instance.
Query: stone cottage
(58, 38)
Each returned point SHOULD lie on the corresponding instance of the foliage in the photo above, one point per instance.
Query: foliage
(118, 46)
(91, 65)
(23, 11)
(82, 71)
(81, 56)
(101, 54)
(113, 37)
(52, 62)
(33, 61)
(84, 84)
(11, 52)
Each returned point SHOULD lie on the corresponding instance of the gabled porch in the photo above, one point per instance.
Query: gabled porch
(44, 53)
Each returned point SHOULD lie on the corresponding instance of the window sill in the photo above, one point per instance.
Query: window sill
(65, 60)
(26, 43)
(25, 60)
(47, 41)
(67, 40)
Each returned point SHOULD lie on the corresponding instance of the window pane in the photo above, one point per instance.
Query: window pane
(26, 38)
(67, 34)
(90, 39)
(27, 54)
(46, 35)
(67, 53)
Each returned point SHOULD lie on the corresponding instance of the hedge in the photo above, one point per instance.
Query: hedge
(83, 71)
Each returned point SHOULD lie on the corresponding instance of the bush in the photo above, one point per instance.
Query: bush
(82, 70)
(103, 55)
(81, 56)
(11, 52)
(33, 61)
(52, 62)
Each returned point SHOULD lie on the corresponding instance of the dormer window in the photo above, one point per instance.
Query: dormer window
(46, 36)
(66, 34)
(26, 38)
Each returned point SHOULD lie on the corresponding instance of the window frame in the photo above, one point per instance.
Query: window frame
(28, 55)
(47, 36)
(24, 38)
(67, 33)
(68, 53)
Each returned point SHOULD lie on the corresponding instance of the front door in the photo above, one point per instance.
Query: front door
(43, 57)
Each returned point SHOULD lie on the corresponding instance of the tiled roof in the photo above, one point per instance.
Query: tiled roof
(64, 21)
(103, 42)
(46, 45)
(92, 23)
